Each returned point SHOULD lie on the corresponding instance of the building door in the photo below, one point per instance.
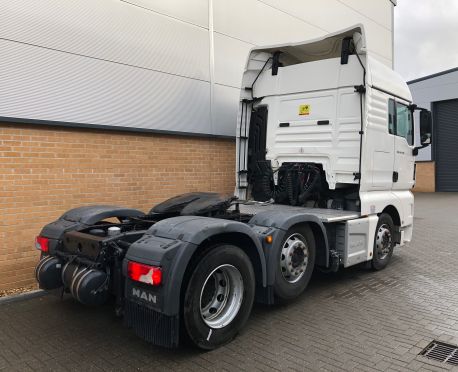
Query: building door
(445, 144)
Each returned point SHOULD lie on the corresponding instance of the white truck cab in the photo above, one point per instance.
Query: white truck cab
(331, 122)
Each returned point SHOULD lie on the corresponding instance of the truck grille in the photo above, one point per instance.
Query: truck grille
(152, 326)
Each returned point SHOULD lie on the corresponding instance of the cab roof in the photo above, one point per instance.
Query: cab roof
(378, 75)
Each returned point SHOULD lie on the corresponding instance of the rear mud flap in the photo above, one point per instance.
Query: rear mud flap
(151, 325)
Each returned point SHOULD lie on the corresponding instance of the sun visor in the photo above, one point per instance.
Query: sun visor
(317, 49)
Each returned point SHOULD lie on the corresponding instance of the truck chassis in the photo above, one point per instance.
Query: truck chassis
(169, 271)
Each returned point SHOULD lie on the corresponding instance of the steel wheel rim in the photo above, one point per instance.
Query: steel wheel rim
(383, 241)
(294, 258)
(221, 296)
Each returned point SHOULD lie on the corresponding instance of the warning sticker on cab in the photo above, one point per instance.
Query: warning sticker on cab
(304, 109)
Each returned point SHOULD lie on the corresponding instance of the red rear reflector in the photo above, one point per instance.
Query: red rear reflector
(151, 275)
(42, 243)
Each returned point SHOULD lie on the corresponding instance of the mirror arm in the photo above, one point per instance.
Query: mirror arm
(413, 107)
(415, 149)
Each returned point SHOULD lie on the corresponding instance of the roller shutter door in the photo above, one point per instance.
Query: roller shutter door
(446, 144)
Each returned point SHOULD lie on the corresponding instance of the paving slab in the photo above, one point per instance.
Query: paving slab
(354, 320)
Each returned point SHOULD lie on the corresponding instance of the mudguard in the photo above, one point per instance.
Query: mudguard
(91, 214)
(78, 218)
(282, 221)
(172, 242)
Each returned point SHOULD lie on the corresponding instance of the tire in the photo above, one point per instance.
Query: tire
(219, 297)
(383, 242)
(288, 285)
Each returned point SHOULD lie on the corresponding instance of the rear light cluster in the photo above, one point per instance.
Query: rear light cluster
(42, 244)
(151, 275)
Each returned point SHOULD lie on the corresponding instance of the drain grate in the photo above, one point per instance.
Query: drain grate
(442, 352)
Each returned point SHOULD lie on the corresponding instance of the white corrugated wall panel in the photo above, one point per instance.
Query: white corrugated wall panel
(378, 11)
(149, 63)
(225, 109)
(192, 11)
(230, 59)
(111, 30)
(257, 23)
(334, 15)
(46, 85)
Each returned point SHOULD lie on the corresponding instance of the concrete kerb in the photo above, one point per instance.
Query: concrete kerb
(21, 296)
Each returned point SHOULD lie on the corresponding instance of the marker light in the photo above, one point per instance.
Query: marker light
(269, 239)
(151, 275)
(42, 244)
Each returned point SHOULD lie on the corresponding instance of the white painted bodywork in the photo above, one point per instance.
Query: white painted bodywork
(313, 75)
(357, 240)
(330, 94)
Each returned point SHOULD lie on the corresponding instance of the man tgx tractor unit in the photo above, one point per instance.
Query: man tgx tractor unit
(325, 164)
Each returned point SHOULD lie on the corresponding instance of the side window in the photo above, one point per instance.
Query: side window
(404, 122)
(391, 116)
(400, 122)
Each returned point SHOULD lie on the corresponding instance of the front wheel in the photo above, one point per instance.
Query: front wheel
(384, 242)
(219, 297)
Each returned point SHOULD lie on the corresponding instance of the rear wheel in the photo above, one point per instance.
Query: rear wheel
(296, 260)
(219, 297)
(384, 242)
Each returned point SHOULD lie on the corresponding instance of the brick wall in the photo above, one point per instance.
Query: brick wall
(45, 171)
(425, 177)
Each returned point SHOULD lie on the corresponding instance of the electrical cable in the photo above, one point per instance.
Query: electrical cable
(240, 144)
(257, 76)
(361, 63)
(361, 132)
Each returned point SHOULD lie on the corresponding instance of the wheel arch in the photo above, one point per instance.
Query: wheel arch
(91, 214)
(392, 211)
(238, 239)
(281, 221)
(197, 234)
(81, 217)
(321, 244)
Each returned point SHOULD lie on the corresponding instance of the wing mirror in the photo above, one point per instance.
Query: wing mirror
(425, 127)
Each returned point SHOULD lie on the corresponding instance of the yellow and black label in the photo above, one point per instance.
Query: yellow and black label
(304, 109)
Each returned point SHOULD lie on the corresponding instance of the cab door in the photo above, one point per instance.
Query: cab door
(380, 141)
(404, 161)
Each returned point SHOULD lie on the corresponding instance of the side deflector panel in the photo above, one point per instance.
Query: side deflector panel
(355, 240)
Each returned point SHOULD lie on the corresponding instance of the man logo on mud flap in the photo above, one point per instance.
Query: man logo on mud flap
(143, 295)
